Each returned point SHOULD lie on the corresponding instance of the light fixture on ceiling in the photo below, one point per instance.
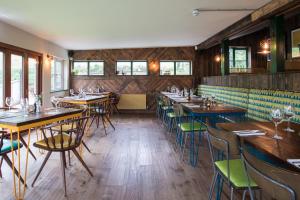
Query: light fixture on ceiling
(197, 11)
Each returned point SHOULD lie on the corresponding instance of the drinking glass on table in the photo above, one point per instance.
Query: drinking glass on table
(55, 101)
(288, 114)
(277, 117)
(72, 93)
(9, 102)
(24, 105)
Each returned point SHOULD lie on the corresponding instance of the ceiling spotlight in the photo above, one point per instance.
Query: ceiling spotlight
(196, 12)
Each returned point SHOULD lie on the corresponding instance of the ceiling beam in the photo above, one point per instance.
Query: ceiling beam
(246, 25)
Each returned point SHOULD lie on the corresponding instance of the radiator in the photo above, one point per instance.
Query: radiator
(132, 102)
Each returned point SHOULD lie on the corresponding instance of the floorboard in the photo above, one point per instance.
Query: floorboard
(137, 161)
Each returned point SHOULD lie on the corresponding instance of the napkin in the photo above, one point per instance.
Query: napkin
(295, 162)
(247, 133)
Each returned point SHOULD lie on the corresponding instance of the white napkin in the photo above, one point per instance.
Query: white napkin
(247, 133)
(295, 162)
(193, 106)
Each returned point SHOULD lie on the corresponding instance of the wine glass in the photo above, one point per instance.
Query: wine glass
(72, 93)
(55, 101)
(9, 102)
(90, 90)
(288, 114)
(24, 105)
(277, 117)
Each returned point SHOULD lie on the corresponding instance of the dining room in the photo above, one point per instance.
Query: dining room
(149, 100)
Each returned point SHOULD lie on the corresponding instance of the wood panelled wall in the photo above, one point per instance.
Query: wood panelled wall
(209, 66)
(135, 84)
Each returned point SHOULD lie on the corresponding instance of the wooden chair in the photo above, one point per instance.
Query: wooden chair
(278, 183)
(5, 148)
(114, 100)
(102, 109)
(59, 141)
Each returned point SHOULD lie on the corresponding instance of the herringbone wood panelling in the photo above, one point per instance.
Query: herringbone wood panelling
(149, 85)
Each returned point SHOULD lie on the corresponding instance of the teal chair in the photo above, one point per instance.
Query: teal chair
(187, 128)
(227, 164)
(6, 147)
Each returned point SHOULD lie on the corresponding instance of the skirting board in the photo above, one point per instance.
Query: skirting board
(132, 102)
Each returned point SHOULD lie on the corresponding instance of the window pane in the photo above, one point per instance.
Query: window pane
(58, 76)
(1, 78)
(80, 68)
(183, 68)
(166, 68)
(231, 57)
(238, 57)
(123, 68)
(57, 79)
(16, 77)
(32, 79)
(96, 68)
(139, 68)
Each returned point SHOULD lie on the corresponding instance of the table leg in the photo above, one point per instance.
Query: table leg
(17, 189)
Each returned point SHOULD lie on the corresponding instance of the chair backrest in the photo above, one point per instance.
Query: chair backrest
(166, 101)
(57, 137)
(230, 138)
(178, 109)
(269, 178)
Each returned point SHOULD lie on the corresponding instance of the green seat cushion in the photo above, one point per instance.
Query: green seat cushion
(238, 176)
(6, 147)
(187, 126)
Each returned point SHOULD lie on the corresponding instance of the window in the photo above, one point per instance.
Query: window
(57, 75)
(139, 68)
(91, 68)
(96, 68)
(132, 68)
(16, 81)
(238, 57)
(80, 68)
(175, 68)
(1, 78)
(32, 79)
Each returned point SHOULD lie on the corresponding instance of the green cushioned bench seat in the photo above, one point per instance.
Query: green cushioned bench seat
(258, 102)
(238, 176)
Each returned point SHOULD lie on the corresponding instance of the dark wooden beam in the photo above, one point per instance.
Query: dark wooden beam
(277, 44)
(244, 25)
(225, 57)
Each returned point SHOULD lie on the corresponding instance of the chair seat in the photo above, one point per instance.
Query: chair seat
(57, 141)
(188, 127)
(6, 147)
(238, 176)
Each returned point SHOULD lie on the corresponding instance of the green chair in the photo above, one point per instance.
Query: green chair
(227, 165)
(187, 127)
(276, 182)
(6, 147)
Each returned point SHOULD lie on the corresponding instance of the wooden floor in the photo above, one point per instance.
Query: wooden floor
(137, 161)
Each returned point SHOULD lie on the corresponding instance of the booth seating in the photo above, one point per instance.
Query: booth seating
(258, 102)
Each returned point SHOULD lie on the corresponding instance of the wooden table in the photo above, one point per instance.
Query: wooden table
(277, 150)
(87, 100)
(209, 115)
(17, 122)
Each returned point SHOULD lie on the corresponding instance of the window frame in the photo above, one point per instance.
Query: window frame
(234, 48)
(62, 88)
(88, 67)
(176, 61)
(131, 67)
